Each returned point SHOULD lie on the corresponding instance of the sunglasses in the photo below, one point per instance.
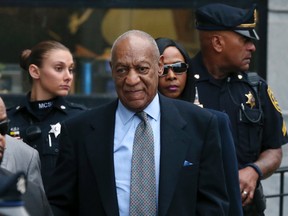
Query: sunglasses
(4, 126)
(177, 68)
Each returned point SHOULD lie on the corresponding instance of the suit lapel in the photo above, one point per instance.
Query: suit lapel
(99, 145)
(173, 151)
(8, 161)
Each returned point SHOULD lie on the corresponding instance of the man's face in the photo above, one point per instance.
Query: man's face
(237, 53)
(135, 70)
(2, 146)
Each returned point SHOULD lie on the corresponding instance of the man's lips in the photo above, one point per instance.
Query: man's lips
(247, 60)
(133, 91)
(134, 94)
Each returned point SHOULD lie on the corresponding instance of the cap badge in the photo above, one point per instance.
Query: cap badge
(250, 25)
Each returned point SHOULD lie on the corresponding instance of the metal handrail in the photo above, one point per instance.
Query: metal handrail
(281, 195)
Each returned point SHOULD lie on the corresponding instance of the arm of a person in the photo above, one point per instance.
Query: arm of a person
(273, 136)
(230, 165)
(213, 198)
(34, 169)
(35, 200)
(268, 162)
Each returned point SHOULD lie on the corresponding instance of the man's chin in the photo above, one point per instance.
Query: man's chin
(135, 104)
(245, 67)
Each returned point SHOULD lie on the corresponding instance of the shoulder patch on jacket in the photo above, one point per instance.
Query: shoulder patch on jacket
(273, 99)
(284, 129)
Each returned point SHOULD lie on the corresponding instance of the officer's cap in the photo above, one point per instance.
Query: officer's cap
(218, 16)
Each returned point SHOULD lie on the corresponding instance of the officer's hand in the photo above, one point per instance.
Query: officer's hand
(248, 178)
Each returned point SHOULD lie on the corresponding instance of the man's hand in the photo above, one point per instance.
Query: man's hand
(248, 178)
(268, 162)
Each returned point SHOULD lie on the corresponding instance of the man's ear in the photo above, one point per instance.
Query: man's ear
(217, 42)
(34, 71)
(161, 65)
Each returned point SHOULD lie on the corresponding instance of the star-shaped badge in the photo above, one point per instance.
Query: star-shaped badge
(55, 129)
(250, 100)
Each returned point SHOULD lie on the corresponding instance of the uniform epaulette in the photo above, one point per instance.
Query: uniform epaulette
(12, 108)
(77, 106)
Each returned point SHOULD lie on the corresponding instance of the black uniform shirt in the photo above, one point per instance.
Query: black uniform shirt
(38, 124)
(257, 122)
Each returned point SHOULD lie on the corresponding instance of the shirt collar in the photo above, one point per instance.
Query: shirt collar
(58, 103)
(153, 110)
(201, 73)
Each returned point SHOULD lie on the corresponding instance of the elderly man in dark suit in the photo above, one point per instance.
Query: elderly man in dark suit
(95, 173)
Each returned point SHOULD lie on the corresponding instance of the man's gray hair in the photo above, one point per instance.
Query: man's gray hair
(140, 34)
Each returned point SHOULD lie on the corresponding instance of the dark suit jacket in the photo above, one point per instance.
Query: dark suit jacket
(84, 179)
(229, 163)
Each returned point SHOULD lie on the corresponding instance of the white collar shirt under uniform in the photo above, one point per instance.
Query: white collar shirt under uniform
(125, 127)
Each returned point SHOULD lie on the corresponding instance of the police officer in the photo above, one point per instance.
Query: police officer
(36, 119)
(220, 80)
